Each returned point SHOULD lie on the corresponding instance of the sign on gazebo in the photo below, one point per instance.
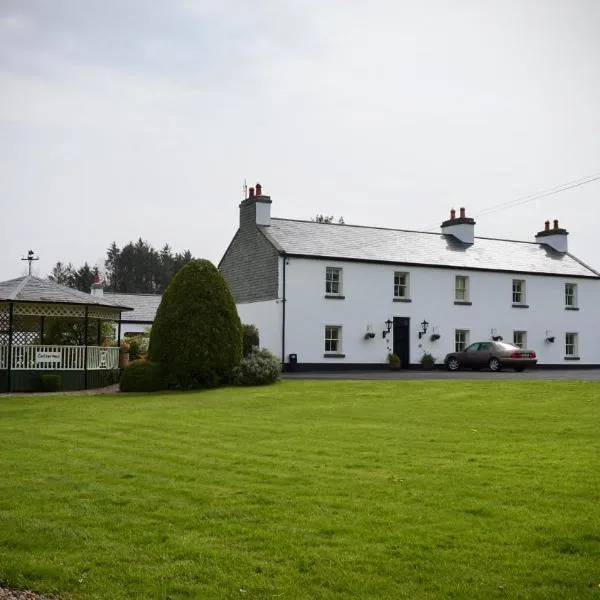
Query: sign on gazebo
(48, 357)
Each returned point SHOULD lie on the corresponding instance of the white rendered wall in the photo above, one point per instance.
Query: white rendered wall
(266, 316)
(368, 291)
(133, 328)
(130, 328)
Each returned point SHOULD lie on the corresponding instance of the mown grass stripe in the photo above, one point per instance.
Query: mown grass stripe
(305, 490)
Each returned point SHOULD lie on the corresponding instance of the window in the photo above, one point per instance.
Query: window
(461, 339)
(461, 289)
(401, 289)
(570, 295)
(333, 339)
(520, 339)
(571, 350)
(518, 291)
(333, 281)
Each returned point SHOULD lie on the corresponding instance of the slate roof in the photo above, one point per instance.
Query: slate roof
(374, 244)
(144, 305)
(34, 289)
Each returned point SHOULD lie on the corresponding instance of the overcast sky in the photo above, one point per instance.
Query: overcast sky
(122, 119)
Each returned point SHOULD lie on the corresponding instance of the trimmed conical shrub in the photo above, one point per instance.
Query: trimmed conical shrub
(197, 335)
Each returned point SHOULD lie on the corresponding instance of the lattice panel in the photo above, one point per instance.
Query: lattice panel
(49, 310)
(4, 329)
(105, 314)
(3, 307)
(26, 330)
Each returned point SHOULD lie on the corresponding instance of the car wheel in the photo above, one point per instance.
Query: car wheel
(494, 364)
(519, 369)
(453, 364)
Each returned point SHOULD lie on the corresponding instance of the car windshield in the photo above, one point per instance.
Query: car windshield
(506, 346)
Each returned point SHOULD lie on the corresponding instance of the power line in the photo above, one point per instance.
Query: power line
(543, 194)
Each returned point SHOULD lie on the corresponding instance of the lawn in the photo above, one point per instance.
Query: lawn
(305, 490)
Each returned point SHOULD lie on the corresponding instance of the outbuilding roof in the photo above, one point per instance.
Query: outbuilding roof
(379, 245)
(144, 305)
(34, 289)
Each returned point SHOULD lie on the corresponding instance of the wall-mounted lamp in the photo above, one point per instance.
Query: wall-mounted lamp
(424, 326)
(388, 325)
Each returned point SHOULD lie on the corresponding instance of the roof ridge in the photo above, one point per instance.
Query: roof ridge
(358, 226)
(438, 233)
(20, 287)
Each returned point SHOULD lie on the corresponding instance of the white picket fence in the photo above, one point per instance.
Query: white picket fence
(59, 358)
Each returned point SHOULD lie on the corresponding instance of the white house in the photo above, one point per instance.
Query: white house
(329, 293)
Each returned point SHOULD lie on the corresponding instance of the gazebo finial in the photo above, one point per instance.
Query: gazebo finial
(30, 258)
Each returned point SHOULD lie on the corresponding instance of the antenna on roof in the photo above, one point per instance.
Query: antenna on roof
(30, 258)
(245, 188)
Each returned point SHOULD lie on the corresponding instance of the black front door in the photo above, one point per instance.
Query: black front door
(402, 340)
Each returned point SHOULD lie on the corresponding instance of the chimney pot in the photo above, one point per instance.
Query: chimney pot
(452, 214)
(97, 288)
(258, 189)
(555, 223)
(251, 192)
(547, 225)
(462, 213)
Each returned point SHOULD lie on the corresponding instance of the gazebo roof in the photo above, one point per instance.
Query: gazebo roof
(32, 289)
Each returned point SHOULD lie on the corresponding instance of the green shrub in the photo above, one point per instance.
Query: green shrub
(138, 346)
(50, 382)
(259, 368)
(141, 376)
(197, 335)
(250, 339)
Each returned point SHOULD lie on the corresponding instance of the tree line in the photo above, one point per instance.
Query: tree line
(137, 268)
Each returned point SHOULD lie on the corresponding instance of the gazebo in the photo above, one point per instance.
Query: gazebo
(50, 328)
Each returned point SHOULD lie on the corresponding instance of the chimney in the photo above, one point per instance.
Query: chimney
(556, 237)
(255, 209)
(462, 228)
(97, 288)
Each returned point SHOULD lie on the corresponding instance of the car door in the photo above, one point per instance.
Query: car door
(485, 353)
(469, 356)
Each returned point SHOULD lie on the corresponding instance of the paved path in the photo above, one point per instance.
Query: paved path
(111, 389)
(543, 374)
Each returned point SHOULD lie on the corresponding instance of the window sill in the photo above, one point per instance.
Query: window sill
(462, 303)
(402, 300)
(335, 297)
(333, 355)
(571, 307)
(572, 358)
(520, 305)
